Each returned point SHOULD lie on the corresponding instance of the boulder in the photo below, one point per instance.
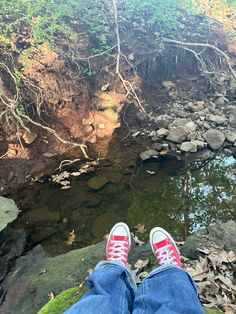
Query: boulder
(178, 134)
(200, 144)
(148, 154)
(222, 235)
(97, 183)
(8, 211)
(188, 147)
(214, 138)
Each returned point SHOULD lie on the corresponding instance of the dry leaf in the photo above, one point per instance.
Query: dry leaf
(140, 228)
(72, 238)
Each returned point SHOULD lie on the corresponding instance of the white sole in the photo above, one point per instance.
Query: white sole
(163, 231)
(126, 228)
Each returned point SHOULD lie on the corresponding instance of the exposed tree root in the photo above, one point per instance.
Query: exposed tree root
(127, 85)
(12, 111)
(186, 45)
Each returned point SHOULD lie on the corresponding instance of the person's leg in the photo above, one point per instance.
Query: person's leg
(111, 286)
(168, 289)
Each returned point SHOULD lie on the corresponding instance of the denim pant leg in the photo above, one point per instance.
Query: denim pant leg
(167, 290)
(111, 291)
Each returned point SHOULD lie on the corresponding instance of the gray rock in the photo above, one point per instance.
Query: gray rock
(97, 183)
(214, 138)
(222, 235)
(180, 113)
(230, 136)
(188, 147)
(157, 146)
(191, 136)
(201, 103)
(221, 101)
(200, 144)
(192, 126)
(230, 110)
(178, 135)
(148, 154)
(219, 120)
(162, 123)
(8, 211)
(180, 122)
(206, 125)
(232, 121)
(141, 116)
(162, 133)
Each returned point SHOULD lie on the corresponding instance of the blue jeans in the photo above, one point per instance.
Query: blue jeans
(112, 290)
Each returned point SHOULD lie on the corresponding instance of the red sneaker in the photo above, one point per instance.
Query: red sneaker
(164, 247)
(118, 243)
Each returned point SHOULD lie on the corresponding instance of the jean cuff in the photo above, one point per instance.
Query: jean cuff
(170, 266)
(130, 278)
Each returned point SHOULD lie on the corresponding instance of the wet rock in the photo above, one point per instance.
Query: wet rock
(97, 183)
(41, 216)
(230, 137)
(170, 89)
(162, 133)
(148, 154)
(214, 138)
(188, 147)
(194, 108)
(29, 137)
(181, 113)
(93, 202)
(8, 211)
(206, 125)
(219, 120)
(178, 134)
(41, 234)
(232, 121)
(222, 235)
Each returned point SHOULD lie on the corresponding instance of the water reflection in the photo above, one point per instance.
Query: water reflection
(163, 192)
(193, 198)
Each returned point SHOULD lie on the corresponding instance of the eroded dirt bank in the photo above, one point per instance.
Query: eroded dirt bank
(173, 89)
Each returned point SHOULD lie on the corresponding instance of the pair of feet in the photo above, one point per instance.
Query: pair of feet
(163, 246)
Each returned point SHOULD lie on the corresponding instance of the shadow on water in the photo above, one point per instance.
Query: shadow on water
(162, 192)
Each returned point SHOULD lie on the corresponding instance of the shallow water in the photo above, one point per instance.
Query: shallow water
(178, 196)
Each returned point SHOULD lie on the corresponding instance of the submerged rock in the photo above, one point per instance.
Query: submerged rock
(230, 137)
(97, 183)
(219, 120)
(214, 138)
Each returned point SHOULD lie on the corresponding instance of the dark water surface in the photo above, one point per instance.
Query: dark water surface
(178, 196)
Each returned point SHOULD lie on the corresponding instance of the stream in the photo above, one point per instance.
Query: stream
(181, 196)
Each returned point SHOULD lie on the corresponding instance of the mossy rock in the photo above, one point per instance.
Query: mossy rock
(63, 301)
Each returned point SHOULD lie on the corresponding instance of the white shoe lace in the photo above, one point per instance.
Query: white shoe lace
(165, 255)
(117, 250)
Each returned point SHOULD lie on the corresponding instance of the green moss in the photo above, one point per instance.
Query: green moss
(63, 301)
